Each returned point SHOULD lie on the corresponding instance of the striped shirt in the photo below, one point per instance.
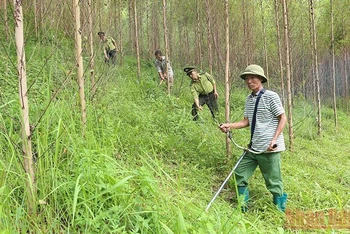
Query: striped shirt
(269, 108)
(161, 66)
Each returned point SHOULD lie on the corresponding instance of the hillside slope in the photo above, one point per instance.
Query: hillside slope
(146, 167)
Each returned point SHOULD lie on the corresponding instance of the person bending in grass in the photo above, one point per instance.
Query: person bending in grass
(110, 48)
(266, 136)
(161, 66)
(203, 89)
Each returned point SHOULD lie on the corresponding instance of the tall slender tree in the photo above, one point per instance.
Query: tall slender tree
(315, 63)
(166, 41)
(6, 20)
(279, 49)
(209, 36)
(23, 98)
(265, 40)
(198, 53)
(227, 75)
(346, 80)
(287, 65)
(120, 30)
(137, 46)
(333, 69)
(79, 63)
(92, 55)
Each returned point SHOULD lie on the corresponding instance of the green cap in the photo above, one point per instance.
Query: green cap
(189, 69)
(254, 69)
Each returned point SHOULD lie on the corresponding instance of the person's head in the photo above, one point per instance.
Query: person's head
(254, 77)
(101, 35)
(192, 72)
(158, 54)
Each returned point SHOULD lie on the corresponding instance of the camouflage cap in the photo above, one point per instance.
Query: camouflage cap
(189, 69)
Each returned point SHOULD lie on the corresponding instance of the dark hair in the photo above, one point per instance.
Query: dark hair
(101, 33)
(158, 52)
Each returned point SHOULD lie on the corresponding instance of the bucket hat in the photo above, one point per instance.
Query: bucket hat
(254, 69)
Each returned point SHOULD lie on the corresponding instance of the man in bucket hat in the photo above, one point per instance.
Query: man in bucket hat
(265, 115)
(203, 89)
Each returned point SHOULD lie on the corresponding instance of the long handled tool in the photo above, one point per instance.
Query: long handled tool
(229, 135)
(227, 178)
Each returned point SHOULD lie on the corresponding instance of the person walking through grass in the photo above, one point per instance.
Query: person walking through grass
(161, 66)
(265, 116)
(110, 48)
(203, 89)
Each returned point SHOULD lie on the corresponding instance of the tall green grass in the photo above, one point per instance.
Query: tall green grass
(144, 166)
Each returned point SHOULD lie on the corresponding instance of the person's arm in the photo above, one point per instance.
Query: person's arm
(196, 101)
(215, 92)
(105, 52)
(161, 76)
(237, 125)
(282, 120)
(115, 45)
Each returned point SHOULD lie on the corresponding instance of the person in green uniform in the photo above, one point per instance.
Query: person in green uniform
(265, 116)
(110, 48)
(203, 89)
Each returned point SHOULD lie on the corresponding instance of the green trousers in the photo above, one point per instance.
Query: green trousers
(270, 167)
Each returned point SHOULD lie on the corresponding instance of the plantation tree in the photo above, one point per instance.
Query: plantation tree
(6, 20)
(35, 18)
(137, 46)
(312, 57)
(210, 53)
(247, 29)
(287, 65)
(79, 63)
(279, 49)
(23, 98)
(315, 63)
(166, 45)
(198, 43)
(120, 28)
(265, 41)
(333, 69)
(346, 83)
(227, 70)
(345, 64)
(92, 55)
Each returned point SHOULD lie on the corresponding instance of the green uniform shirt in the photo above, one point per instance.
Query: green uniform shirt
(204, 85)
(110, 44)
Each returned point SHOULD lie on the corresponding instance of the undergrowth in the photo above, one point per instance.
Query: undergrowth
(144, 166)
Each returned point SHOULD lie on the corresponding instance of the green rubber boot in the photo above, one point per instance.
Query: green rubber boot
(243, 191)
(281, 202)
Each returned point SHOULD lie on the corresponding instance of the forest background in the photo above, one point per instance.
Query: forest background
(137, 163)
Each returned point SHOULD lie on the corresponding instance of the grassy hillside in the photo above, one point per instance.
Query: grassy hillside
(144, 165)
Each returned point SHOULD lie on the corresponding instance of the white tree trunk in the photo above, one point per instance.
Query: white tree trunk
(227, 75)
(79, 58)
(333, 70)
(92, 54)
(137, 41)
(289, 86)
(315, 59)
(166, 44)
(23, 96)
